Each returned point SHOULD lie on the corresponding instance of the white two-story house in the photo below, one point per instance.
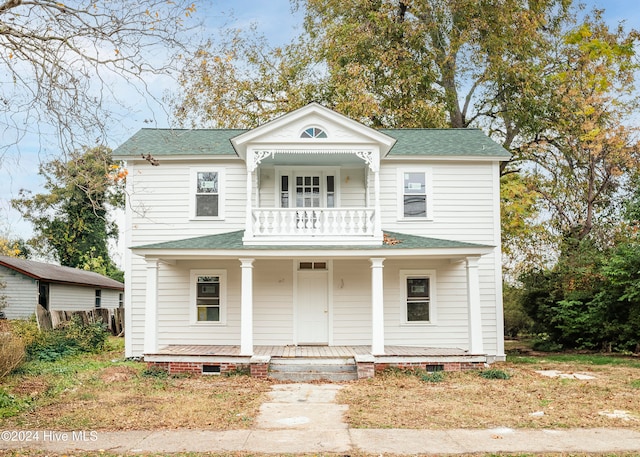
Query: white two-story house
(313, 236)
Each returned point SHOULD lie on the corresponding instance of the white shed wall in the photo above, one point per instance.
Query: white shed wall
(64, 297)
(21, 294)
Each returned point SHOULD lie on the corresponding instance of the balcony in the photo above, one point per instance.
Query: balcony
(337, 226)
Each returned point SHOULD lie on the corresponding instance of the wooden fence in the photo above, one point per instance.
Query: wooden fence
(113, 318)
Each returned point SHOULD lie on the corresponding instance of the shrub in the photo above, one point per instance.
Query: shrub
(494, 373)
(71, 338)
(11, 353)
(155, 371)
(435, 376)
(26, 329)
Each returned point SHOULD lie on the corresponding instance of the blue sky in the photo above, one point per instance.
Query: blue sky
(273, 18)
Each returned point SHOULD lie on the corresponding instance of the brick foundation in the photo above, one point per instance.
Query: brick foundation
(195, 367)
(431, 366)
(367, 368)
(259, 370)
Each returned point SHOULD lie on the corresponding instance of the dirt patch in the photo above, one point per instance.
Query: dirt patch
(33, 386)
(117, 374)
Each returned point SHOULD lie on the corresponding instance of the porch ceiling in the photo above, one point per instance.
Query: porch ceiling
(325, 158)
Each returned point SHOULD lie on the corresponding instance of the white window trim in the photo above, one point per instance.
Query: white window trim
(193, 308)
(431, 274)
(323, 172)
(193, 183)
(428, 172)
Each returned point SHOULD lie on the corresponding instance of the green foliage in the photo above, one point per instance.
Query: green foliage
(72, 219)
(635, 383)
(433, 376)
(494, 373)
(239, 370)
(26, 329)
(155, 371)
(516, 320)
(70, 339)
(560, 300)
(420, 373)
(10, 405)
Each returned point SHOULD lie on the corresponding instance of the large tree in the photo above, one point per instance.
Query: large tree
(386, 63)
(586, 148)
(63, 63)
(72, 220)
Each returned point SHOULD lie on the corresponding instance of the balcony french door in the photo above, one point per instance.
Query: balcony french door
(308, 195)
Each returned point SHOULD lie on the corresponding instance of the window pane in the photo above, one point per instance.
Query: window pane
(417, 287)
(330, 183)
(418, 310)
(331, 202)
(207, 205)
(415, 206)
(208, 290)
(414, 183)
(284, 183)
(207, 182)
(208, 313)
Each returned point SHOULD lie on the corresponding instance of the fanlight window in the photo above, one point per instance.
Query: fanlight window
(313, 132)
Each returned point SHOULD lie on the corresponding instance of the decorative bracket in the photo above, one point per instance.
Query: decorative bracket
(256, 158)
(368, 158)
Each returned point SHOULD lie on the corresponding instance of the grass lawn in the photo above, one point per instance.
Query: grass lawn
(104, 392)
(525, 400)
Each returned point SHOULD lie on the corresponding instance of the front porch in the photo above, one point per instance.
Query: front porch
(219, 359)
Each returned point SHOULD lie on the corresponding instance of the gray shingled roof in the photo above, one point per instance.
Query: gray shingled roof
(58, 274)
(410, 142)
(233, 241)
(444, 142)
(164, 142)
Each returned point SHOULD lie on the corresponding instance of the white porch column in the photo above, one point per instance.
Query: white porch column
(377, 219)
(151, 308)
(475, 315)
(246, 307)
(377, 306)
(248, 230)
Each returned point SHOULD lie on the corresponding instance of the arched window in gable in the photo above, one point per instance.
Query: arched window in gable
(313, 132)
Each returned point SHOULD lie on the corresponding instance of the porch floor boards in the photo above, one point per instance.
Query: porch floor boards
(307, 351)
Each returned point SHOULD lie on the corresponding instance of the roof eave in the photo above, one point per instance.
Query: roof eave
(297, 251)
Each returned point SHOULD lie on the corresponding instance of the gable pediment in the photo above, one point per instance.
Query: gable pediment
(299, 130)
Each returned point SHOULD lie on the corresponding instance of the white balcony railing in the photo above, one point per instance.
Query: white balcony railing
(307, 222)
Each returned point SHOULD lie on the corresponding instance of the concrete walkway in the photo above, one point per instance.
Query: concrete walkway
(304, 418)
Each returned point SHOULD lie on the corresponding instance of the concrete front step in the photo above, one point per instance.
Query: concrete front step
(313, 369)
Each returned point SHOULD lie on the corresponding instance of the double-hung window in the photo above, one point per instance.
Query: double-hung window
(415, 194)
(208, 296)
(207, 190)
(418, 296)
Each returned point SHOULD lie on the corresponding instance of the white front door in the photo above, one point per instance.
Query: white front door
(312, 307)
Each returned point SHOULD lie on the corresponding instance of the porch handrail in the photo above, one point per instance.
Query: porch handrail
(313, 221)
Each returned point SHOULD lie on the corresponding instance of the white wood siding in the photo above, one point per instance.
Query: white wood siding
(273, 302)
(463, 206)
(351, 302)
(352, 188)
(21, 294)
(160, 201)
(63, 297)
